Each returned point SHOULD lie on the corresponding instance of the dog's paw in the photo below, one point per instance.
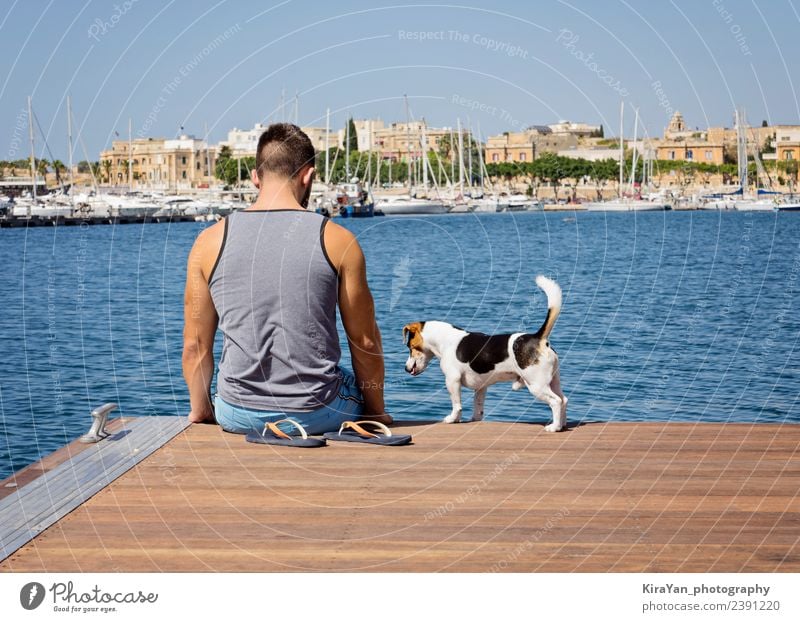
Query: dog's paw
(477, 417)
(518, 384)
(451, 418)
(552, 428)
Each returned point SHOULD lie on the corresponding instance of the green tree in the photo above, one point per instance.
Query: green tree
(551, 170)
(353, 136)
(228, 169)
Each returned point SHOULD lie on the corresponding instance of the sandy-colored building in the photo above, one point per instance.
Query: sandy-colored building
(787, 143)
(366, 130)
(581, 130)
(159, 163)
(591, 154)
(401, 140)
(528, 145)
(691, 150)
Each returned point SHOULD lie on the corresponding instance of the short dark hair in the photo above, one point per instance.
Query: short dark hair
(284, 150)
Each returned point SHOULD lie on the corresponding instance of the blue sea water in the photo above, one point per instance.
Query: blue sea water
(676, 316)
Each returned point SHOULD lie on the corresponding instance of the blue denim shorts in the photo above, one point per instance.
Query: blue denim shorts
(346, 406)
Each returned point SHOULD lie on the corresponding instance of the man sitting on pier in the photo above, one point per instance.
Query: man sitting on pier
(269, 277)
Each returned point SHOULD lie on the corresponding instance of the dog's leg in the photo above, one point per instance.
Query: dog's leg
(539, 386)
(477, 404)
(454, 388)
(555, 387)
(544, 393)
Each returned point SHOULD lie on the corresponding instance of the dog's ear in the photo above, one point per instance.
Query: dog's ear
(410, 330)
(407, 334)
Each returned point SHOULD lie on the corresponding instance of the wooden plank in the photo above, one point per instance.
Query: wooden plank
(38, 504)
(472, 497)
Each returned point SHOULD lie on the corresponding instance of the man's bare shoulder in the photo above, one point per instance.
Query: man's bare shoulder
(207, 246)
(341, 245)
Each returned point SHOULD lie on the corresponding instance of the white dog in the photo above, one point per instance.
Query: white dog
(477, 361)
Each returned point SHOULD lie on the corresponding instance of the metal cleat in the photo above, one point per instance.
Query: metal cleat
(99, 419)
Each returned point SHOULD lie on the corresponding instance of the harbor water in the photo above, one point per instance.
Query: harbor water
(673, 316)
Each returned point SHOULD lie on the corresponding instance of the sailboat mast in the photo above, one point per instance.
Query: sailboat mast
(208, 158)
(130, 154)
(635, 151)
(69, 143)
(621, 146)
(741, 151)
(33, 156)
(347, 151)
(408, 143)
(327, 144)
(369, 169)
(460, 158)
(424, 147)
(452, 156)
(480, 158)
(469, 154)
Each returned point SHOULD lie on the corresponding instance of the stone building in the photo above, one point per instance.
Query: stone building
(159, 163)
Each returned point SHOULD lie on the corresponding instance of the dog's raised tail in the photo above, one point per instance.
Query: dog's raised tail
(553, 292)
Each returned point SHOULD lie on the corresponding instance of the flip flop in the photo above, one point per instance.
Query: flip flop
(355, 433)
(273, 435)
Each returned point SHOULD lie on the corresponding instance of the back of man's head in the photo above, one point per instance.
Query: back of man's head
(284, 151)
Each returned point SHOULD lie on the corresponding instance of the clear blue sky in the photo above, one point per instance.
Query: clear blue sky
(550, 60)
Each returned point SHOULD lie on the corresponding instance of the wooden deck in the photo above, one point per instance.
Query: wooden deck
(471, 497)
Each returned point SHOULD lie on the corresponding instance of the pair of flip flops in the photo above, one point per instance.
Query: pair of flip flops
(350, 431)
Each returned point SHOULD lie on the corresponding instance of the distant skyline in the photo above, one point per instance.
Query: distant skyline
(499, 66)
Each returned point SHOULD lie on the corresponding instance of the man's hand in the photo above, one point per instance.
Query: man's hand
(385, 418)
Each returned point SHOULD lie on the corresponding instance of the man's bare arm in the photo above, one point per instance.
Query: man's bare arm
(199, 328)
(357, 309)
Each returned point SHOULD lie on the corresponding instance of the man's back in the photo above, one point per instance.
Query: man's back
(275, 292)
(271, 285)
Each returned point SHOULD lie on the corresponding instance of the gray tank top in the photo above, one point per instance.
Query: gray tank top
(275, 292)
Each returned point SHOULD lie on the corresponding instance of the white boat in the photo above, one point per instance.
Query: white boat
(755, 205)
(627, 205)
(24, 208)
(460, 208)
(404, 205)
(131, 205)
(716, 204)
(486, 204)
(182, 206)
(518, 203)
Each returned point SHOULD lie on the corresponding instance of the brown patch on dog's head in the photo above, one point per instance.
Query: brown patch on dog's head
(418, 355)
(412, 336)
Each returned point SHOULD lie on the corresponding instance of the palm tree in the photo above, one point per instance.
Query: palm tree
(107, 168)
(41, 168)
(124, 166)
(59, 167)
